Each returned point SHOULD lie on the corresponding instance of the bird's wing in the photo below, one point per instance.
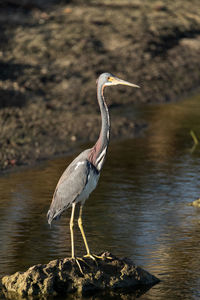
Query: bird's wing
(69, 187)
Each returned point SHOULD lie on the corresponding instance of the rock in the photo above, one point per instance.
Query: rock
(63, 276)
(195, 203)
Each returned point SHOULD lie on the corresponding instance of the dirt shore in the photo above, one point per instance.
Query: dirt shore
(50, 58)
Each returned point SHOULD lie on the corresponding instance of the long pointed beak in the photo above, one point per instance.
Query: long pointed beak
(123, 82)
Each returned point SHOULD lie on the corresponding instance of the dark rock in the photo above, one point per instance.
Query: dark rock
(63, 276)
(195, 203)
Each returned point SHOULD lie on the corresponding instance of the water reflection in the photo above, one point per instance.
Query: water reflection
(129, 295)
(138, 210)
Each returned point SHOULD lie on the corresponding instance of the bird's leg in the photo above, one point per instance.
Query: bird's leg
(80, 224)
(71, 229)
(72, 237)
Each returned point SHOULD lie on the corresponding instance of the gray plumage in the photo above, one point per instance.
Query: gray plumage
(72, 184)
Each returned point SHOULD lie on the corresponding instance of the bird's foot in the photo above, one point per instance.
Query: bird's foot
(95, 257)
(102, 257)
(77, 259)
(88, 255)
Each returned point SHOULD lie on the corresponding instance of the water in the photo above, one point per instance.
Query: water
(139, 209)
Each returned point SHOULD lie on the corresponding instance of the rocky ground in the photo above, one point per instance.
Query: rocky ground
(195, 203)
(51, 55)
(65, 276)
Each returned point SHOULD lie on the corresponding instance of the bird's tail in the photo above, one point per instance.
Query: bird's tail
(49, 217)
(52, 215)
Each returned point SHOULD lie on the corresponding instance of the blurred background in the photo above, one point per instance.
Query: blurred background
(51, 53)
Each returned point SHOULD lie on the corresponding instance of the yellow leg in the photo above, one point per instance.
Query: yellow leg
(80, 224)
(72, 237)
(71, 229)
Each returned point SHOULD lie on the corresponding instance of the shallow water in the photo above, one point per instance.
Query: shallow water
(139, 209)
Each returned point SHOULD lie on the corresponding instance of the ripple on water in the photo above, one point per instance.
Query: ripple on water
(140, 208)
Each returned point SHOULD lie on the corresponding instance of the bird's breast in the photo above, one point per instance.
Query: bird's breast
(92, 181)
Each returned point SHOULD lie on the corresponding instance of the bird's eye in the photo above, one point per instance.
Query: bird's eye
(110, 79)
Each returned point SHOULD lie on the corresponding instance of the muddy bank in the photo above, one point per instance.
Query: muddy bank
(51, 56)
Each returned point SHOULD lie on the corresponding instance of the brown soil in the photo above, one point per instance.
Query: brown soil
(51, 56)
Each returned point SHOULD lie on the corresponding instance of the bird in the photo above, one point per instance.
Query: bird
(80, 178)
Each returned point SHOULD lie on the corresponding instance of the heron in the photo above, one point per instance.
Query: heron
(80, 178)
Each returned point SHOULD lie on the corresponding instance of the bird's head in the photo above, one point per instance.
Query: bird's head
(108, 79)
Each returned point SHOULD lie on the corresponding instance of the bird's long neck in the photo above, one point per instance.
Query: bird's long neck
(98, 152)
